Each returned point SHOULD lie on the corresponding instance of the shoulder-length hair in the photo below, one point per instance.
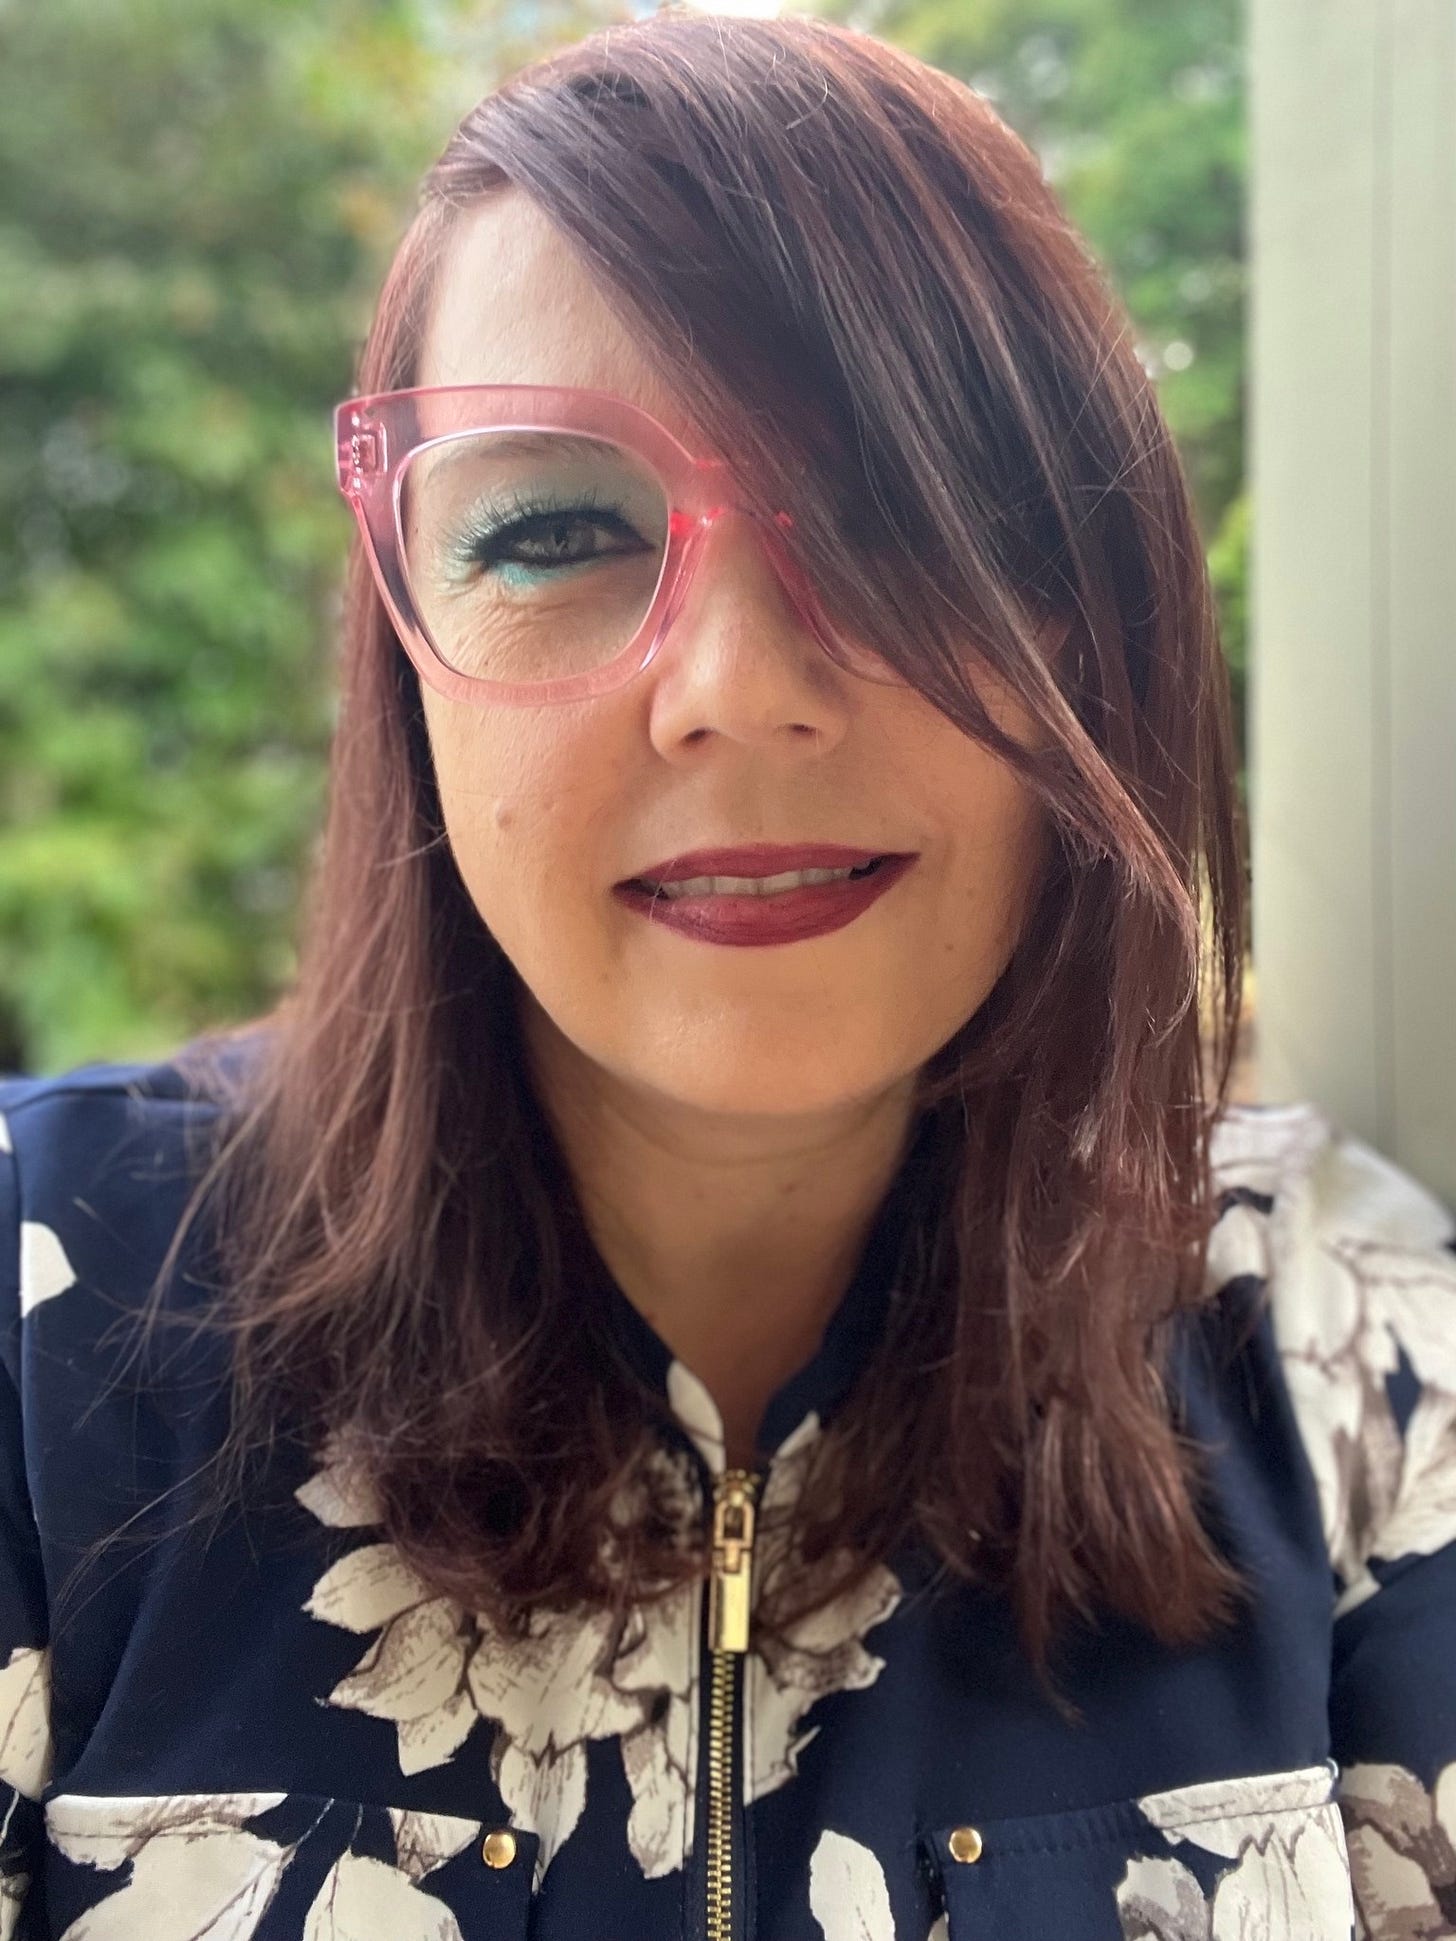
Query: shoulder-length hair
(867, 295)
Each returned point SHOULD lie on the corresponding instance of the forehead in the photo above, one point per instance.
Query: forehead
(515, 304)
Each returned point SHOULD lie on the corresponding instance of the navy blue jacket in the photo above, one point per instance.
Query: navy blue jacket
(270, 1728)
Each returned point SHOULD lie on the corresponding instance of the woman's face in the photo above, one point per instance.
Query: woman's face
(740, 732)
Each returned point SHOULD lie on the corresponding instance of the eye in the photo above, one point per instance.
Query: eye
(536, 537)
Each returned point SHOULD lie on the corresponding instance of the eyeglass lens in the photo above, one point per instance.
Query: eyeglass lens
(532, 555)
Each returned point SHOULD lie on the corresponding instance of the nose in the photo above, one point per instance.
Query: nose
(740, 662)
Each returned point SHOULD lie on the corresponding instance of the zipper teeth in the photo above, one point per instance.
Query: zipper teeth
(729, 1616)
(720, 1800)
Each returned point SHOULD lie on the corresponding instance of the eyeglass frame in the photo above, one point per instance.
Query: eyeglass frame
(374, 447)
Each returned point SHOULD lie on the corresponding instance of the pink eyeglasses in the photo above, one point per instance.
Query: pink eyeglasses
(534, 544)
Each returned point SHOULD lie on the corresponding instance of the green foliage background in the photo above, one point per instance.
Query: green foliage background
(197, 201)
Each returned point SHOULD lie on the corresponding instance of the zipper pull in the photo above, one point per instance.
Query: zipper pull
(730, 1586)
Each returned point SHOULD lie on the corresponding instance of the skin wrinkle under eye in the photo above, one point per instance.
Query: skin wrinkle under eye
(478, 586)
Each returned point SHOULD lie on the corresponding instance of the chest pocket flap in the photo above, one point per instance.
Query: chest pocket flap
(274, 1866)
(1263, 1855)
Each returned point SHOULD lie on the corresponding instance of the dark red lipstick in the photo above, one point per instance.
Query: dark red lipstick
(741, 915)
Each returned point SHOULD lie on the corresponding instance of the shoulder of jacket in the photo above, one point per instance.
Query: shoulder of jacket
(1358, 1259)
(1317, 1190)
(21, 1092)
(32, 1107)
(96, 1164)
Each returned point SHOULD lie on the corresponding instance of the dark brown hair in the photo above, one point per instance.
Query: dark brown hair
(866, 294)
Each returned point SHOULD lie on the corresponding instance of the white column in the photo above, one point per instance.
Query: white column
(1353, 590)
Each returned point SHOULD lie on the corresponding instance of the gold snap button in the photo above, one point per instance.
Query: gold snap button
(498, 1849)
(965, 1844)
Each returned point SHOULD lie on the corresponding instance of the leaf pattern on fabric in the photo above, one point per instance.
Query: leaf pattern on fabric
(1161, 1900)
(1289, 1874)
(1402, 1844)
(1356, 1251)
(1375, 1355)
(821, 1654)
(195, 1871)
(1295, 1886)
(1221, 1815)
(13, 1889)
(27, 1755)
(424, 1841)
(45, 1270)
(1363, 1273)
(188, 1867)
(362, 1896)
(849, 1896)
(847, 1892)
(433, 1669)
(1383, 1494)
(26, 1748)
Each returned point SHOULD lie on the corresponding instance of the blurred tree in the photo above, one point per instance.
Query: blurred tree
(1136, 110)
(199, 200)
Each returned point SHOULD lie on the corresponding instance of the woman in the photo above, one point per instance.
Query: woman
(723, 1366)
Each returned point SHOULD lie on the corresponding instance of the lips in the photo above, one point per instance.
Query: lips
(710, 913)
(756, 859)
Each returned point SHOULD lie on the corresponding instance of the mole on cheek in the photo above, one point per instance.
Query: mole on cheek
(502, 814)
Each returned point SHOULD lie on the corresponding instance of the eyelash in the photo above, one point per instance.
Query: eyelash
(512, 524)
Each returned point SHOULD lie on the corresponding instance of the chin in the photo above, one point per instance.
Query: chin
(772, 1080)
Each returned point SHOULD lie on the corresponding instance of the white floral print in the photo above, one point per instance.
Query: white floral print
(434, 1669)
(823, 1653)
(847, 1892)
(1289, 1876)
(1356, 1251)
(13, 1890)
(1364, 1313)
(1402, 1842)
(194, 1869)
(26, 1750)
(45, 1270)
(424, 1841)
(365, 1896)
(26, 1756)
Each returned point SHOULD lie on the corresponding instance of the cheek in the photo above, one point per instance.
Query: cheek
(991, 887)
(520, 798)
(997, 842)
(1028, 852)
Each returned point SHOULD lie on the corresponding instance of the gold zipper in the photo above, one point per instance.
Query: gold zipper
(730, 1608)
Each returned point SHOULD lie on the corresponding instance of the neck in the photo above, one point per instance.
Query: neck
(735, 1236)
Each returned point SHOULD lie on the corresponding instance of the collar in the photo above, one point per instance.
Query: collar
(821, 1384)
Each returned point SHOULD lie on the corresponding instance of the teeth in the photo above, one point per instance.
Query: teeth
(791, 879)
